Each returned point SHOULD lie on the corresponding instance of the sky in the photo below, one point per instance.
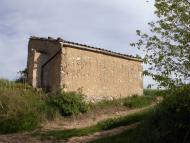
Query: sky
(108, 24)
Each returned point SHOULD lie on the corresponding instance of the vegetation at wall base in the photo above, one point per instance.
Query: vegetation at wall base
(23, 108)
(68, 104)
(134, 101)
(20, 109)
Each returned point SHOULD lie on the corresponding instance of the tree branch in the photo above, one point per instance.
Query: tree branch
(188, 1)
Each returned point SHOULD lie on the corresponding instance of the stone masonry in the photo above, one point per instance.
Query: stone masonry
(97, 73)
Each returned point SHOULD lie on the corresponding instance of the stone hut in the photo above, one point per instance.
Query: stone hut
(97, 73)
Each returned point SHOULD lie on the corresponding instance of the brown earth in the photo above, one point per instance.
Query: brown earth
(89, 119)
(103, 134)
(79, 121)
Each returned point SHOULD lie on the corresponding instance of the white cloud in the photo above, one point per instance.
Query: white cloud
(108, 24)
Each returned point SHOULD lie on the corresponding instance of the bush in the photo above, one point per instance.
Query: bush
(68, 103)
(168, 123)
(23, 108)
(171, 121)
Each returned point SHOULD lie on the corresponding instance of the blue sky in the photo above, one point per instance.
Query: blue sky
(108, 24)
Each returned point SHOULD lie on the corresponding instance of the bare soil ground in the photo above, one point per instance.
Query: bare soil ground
(103, 134)
(89, 119)
(24, 138)
(79, 121)
(20, 138)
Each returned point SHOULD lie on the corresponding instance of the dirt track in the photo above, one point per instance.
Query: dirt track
(80, 121)
(89, 119)
(103, 134)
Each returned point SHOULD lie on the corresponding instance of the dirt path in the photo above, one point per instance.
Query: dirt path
(20, 138)
(89, 119)
(80, 121)
(24, 138)
(103, 134)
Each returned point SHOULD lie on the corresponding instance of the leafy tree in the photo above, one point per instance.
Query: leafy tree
(167, 47)
(22, 75)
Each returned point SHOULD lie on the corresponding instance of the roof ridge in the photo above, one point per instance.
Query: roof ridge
(87, 46)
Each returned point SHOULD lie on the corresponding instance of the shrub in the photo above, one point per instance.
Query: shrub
(22, 108)
(171, 121)
(68, 103)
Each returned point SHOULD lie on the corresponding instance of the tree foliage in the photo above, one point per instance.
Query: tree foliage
(167, 47)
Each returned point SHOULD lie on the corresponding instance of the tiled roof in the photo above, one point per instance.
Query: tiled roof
(87, 47)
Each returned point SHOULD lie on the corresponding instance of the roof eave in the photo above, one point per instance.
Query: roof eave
(86, 47)
(101, 51)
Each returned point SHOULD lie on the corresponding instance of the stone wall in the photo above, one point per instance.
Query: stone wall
(93, 73)
(99, 75)
(51, 74)
(39, 51)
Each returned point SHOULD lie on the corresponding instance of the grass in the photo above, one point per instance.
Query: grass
(139, 101)
(23, 108)
(153, 92)
(6, 85)
(169, 123)
(101, 126)
(130, 136)
(131, 102)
